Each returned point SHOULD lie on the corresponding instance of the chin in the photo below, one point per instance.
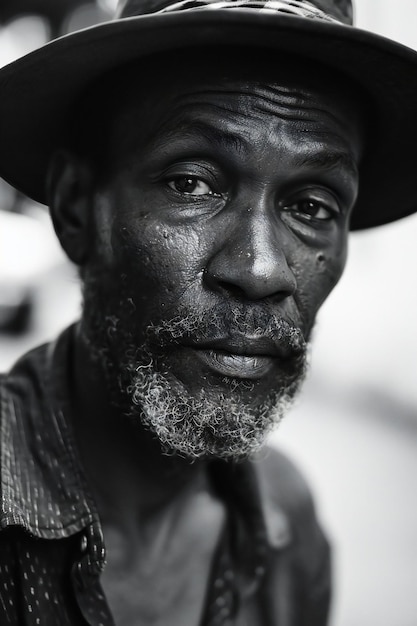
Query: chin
(230, 422)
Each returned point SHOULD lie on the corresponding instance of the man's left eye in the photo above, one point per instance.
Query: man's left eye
(191, 185)
(313, 209)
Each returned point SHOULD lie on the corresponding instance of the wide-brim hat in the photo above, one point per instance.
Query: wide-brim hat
(38, 92)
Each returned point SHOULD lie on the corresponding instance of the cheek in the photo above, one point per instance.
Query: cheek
(163, 263)
(316, 278)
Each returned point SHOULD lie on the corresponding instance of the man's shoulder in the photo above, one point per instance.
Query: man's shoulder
(30, 377)
(23, 396)
(23, 379)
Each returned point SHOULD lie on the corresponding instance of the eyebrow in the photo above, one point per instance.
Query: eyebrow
(326, 160)
(218, 137)
(331, 161)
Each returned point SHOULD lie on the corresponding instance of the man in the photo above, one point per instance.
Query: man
(203, 164)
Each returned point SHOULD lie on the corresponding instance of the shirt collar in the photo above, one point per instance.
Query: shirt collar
(43, 487)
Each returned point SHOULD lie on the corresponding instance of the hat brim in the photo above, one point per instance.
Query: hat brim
(39, 90)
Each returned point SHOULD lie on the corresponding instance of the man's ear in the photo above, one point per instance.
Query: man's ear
(69, 191)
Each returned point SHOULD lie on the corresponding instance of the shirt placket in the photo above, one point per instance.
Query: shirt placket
(239, 564)
(86, 572)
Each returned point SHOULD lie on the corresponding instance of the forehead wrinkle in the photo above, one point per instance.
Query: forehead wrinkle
(302, 111)
(286, 103)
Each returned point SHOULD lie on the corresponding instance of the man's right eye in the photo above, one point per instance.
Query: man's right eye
(191, 186)
(312, 209)
(314, 205)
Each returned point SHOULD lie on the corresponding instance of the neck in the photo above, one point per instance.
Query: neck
(128, 473)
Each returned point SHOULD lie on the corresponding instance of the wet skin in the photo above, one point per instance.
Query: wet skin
(236, 196)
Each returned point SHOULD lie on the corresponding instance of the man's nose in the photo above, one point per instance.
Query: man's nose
(252, 261)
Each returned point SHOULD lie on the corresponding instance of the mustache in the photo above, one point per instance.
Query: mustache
(225, 322)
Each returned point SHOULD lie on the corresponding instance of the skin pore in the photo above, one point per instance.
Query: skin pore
(211, 227)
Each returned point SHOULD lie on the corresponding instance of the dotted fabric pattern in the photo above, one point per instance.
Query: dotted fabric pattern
(34, 584)
(51, 545)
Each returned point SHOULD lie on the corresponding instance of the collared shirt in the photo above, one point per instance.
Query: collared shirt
(271, 566)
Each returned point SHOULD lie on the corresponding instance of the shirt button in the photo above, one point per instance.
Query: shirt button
(83, 544)
(78, 576)
(259, 571)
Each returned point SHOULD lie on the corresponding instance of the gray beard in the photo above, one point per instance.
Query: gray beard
(203, 426)
(212, 422)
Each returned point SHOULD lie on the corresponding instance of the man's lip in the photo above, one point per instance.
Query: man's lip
(241, 356)
(243, 345)
(235, 365)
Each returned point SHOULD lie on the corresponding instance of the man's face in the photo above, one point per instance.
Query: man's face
(221, 224)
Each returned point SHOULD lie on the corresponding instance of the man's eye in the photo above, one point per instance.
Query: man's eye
(191, 185)
(313, 209)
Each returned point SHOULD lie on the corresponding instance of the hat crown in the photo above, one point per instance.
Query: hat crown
(339, 10)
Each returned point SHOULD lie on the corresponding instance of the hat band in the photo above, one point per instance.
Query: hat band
(299, 8)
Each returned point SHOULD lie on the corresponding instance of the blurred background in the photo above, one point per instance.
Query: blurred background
(354, 429)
